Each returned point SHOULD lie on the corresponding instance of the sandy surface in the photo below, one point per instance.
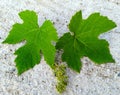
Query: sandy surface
(93, 79)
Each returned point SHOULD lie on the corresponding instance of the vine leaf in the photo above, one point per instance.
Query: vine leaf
(38, 39)
(82, 40)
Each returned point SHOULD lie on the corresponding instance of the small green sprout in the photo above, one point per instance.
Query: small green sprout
(61, 76)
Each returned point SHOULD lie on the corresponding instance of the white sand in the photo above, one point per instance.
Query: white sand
(93, 79)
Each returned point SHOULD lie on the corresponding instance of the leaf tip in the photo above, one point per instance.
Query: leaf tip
(19, 73)
(27, 14)
(113, 60)
(4, 42)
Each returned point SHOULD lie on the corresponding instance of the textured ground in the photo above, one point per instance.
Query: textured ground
(93, 79)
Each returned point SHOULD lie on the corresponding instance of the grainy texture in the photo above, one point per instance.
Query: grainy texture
(93, 79)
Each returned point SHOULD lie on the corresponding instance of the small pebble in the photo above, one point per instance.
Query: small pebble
(119, 75)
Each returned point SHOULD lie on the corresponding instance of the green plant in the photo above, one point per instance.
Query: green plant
(38, 40)
(82, 40)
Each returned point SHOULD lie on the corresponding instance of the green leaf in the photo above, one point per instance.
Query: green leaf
(82, 40)
(38, 39)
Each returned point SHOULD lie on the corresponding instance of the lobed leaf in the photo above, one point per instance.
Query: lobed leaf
(38, 39)
(82, 40)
